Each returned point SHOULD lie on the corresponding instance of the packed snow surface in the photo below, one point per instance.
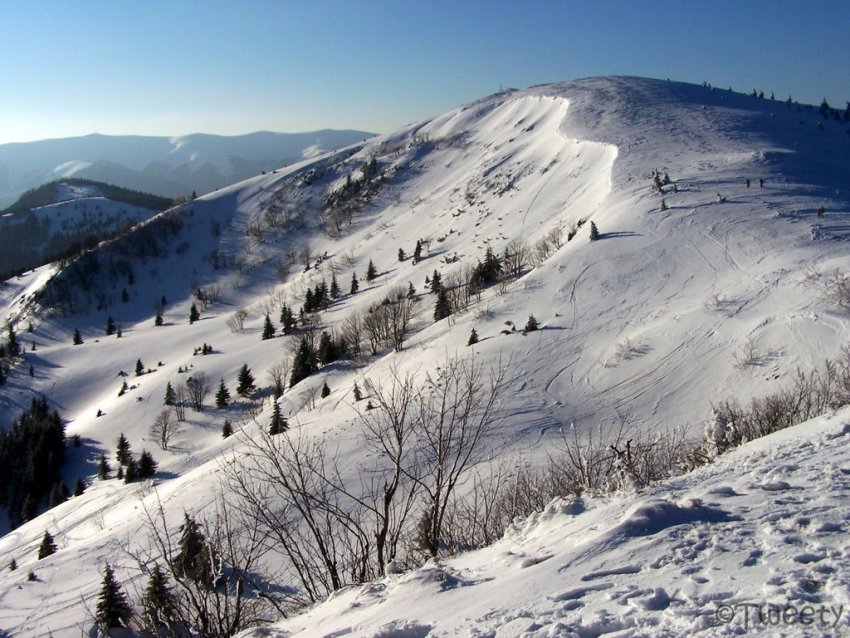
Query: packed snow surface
(674, 307)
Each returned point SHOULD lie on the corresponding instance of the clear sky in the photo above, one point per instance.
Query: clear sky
(172, 67)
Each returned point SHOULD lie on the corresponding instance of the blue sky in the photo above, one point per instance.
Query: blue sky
(182, 66)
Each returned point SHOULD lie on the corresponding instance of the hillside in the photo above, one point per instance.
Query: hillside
(674, 308)
(168, 166)
(57, 219)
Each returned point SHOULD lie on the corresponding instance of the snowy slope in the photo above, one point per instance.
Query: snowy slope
(648, 321)
(754, 544)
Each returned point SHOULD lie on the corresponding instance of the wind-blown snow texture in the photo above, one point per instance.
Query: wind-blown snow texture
(646, 321)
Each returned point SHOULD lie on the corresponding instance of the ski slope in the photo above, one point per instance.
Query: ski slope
(649, 323)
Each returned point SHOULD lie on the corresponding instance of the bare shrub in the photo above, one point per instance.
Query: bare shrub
(236, 322)
(198, 388)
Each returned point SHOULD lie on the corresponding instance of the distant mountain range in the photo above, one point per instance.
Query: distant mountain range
(167, 166)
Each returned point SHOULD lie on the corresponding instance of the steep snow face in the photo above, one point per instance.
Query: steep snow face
(671, 309)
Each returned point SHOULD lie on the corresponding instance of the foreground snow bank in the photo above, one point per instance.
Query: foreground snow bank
(756, 542)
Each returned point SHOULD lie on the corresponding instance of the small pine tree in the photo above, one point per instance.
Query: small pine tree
(473, 338)
(120, 474)
(326, 391)
(140, 368)
(132, 471)
(442, 308)
(13, 565)
(12, 343)
(304, 363)
(124, 388)
(110, 326)
(122, 450)
(158, 319)
(531, 325)
(159, 603)
(594, 232)
(357, 394)
(436, 283)
(169, 394)
(79, 487)
(112, 609)
(147, 465)
(278, 423)
(245, 381)
(103, 468)
(417, 252)
(268, 329)
(194, 315)
(222, 396)
(47, 547)
(226, 429)
(371, 272)
(78, 338)
(334, 287)
(193, 556)
(401, 255)
(355, 285)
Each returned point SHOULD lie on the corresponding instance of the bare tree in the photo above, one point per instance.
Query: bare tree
(457, 410)
(278, 375)
(180, 401)
(165, 427)
(198, 387)
(399, 312)
(515, 258)
(352, 332)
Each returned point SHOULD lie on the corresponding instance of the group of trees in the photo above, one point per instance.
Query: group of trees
(129, 469)
(32, 451)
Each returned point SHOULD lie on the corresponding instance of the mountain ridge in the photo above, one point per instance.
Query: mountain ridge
(647, 324)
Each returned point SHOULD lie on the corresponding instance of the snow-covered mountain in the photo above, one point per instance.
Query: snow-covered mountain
(167, 166)
(712, 289)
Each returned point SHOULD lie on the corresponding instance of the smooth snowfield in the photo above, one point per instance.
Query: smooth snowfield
(669, 311)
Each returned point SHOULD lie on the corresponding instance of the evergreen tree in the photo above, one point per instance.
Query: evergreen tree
(594, 232)
(47, 547)
(287, 320)
(159, 602)
(59, 493)
(140, 368)
(401, 255)
(78, 339)
(131, 473)
(304, 363)
(245, 381)
(278, 423)
(328, 351)
(357, 394)
(193, 556)
(443, 307)
(355, 285)
(12, 342)
(334, 287)
(473, 338)
(325, 390)
(110, 326)
(112, 609)
(169, 394)
(531, 325)
(436, 283)
(13, 565)
(79, 487)
(120, 474)
(268, 329)
(158, 319)
(371, 272)
(226, 429)
(147, 465)
(411, 291)
(103, 468)
(417, 252)
(124, 388)
(222, 397)
(194, 315)
(122, 450)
